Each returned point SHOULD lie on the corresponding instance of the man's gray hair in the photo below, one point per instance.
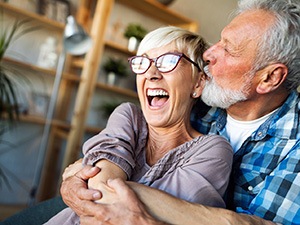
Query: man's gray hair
(281, 43)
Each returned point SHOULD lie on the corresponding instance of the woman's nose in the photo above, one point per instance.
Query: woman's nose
(152, 73)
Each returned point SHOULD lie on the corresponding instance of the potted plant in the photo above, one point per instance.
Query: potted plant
(115, 67)
(8, 99)
(9, 109)
(134, 33)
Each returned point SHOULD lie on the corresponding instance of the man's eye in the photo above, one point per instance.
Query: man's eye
(226, 50)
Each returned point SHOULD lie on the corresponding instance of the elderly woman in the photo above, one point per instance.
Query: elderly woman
(156, 145)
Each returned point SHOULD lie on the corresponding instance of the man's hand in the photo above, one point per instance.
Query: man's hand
(124, 208)
(74, 189)
(72, 169)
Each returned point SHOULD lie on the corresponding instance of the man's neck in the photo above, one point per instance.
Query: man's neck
(257, 107)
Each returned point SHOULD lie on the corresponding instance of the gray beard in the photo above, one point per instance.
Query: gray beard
(216, 96)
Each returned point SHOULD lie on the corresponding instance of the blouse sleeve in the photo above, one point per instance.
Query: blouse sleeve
(117, 142)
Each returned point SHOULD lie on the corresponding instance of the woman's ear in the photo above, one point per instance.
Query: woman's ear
(272, 77)
(199, 85)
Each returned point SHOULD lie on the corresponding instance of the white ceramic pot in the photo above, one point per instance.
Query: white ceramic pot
(133, 44)
(111, 78)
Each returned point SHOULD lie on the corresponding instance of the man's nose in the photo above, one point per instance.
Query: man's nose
(208, 56)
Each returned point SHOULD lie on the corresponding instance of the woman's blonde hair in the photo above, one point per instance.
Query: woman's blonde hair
(186, 41)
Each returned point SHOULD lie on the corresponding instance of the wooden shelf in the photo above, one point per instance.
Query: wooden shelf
(115, 46)
(41, 120)
(35, 69)
(63, 127)
(18, 12)
(92, 129)
(118, 90)
(78, 62)
(158, 11)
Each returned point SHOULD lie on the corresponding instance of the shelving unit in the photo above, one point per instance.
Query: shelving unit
(18, 12)
(67, 133)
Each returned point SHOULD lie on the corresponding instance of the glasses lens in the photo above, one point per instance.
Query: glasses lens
(139, 64)
(167, 62)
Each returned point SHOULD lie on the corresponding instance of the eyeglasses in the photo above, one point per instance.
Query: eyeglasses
(164, 63)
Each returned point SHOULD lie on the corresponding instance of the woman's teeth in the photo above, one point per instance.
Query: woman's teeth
(157, 93)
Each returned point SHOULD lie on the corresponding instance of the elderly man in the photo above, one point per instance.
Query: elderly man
(253, 73)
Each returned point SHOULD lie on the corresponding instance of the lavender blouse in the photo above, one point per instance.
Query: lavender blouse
(197, 171)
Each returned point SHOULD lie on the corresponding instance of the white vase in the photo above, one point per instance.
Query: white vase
(133, 44)
(111, 78)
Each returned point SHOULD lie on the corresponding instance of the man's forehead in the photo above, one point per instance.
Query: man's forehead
(246, 27)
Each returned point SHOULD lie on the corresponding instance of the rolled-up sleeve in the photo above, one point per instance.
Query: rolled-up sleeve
(118, 141)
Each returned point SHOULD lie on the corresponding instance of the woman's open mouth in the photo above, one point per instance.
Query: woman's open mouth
(157, 97)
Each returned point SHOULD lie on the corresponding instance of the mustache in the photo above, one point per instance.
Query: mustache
(207, 73)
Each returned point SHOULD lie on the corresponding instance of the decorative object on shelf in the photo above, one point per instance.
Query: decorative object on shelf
(47, 8)
(75, 42)
(115, 68)
(62, 10)
(55, 9)
(134, 33)
(48, 54)
(165, 2)
(38, 104)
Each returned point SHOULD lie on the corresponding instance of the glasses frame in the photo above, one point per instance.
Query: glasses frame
(154, 60)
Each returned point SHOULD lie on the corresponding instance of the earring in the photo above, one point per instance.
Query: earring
(194, 94)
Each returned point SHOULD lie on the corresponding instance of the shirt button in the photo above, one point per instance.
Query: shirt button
(250, 188)
(260, 134)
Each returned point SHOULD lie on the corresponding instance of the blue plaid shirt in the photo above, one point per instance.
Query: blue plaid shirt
(266, 168)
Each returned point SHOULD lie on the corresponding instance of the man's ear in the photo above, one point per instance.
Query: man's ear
(272, 77)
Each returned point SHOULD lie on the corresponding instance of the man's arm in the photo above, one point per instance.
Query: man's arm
(155, 205)
(172, 210)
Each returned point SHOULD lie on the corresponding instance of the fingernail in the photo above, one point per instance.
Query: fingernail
(96, 195)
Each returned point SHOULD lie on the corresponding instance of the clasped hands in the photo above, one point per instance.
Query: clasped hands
(105, 203)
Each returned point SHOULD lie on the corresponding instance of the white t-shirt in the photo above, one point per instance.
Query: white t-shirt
(238, 131)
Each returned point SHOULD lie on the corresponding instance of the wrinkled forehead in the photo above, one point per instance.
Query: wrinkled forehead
(254, 22)
(248, 27)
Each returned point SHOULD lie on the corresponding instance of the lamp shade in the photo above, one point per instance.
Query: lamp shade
(76, 41)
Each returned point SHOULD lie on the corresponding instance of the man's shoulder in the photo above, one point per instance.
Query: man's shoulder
(286, 121)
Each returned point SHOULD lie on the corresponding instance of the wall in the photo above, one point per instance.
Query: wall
(212, 15)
